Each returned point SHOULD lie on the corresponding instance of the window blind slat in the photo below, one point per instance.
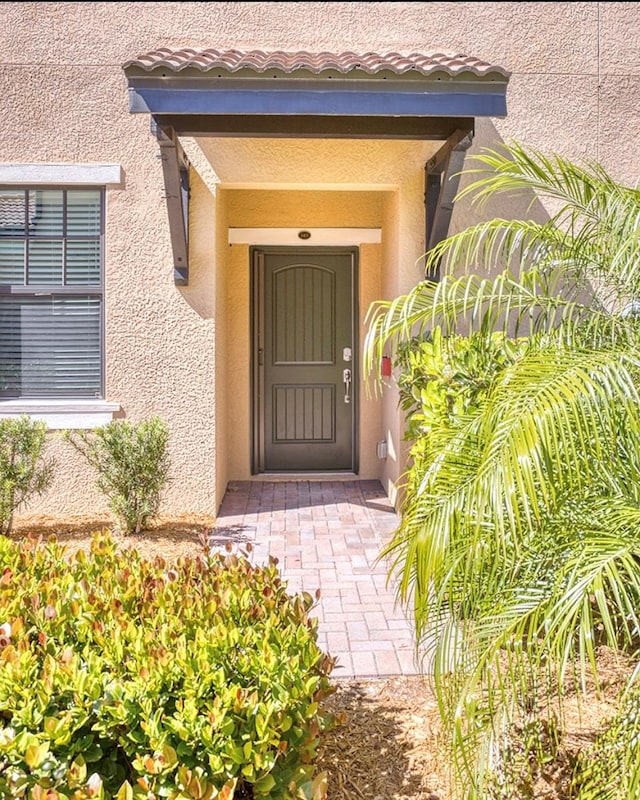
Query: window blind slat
(83, 262)
(12, 255)
(46, 214)
(83, 212)
(50, 346)
(44, 262)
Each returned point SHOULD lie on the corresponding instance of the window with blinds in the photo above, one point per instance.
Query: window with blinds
(51, 292)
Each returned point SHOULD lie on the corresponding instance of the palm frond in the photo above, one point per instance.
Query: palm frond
(516, 306)
(595, 231)
(505, 465)
(524, 648)
(519, 541)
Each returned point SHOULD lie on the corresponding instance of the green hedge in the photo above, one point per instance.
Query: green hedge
(129, 678)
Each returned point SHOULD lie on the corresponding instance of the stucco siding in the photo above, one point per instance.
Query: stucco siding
(183, 353)
(109, 33)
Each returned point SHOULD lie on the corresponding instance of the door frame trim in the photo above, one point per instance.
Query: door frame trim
(315, 237)
(256, 262)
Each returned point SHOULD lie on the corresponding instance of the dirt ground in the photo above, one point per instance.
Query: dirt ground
(389, 744)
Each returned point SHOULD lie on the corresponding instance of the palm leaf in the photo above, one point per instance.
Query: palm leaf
(519, 541)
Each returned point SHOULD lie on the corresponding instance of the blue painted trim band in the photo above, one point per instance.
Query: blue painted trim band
(330, 103)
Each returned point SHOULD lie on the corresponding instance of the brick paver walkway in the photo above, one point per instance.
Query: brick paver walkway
(327, 535)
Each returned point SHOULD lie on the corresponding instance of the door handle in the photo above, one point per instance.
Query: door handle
(346, 377)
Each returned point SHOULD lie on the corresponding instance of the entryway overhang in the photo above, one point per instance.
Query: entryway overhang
(218, 93)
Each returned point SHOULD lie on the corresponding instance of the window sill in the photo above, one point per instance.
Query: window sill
(61, 414)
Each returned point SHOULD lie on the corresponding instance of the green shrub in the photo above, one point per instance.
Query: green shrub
(126, 678)
(443, 379)
(132, 465)
(23, 470)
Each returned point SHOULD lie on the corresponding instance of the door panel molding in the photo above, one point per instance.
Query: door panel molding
(295, 417)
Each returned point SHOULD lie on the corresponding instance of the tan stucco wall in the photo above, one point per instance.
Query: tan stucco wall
(574, 65)
(391, 258)
(574, 88)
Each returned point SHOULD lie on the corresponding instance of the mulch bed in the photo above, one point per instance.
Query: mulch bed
(388, 743)
(167, 537)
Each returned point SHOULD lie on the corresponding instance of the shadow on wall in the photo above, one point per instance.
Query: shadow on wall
(524, 206)
(204, 249)
(467, 212)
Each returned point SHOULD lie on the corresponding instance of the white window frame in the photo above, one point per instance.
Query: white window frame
(60, 414)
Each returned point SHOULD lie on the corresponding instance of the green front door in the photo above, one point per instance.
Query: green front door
(304, 368)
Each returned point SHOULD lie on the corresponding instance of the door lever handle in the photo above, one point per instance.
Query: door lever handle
(346, 377)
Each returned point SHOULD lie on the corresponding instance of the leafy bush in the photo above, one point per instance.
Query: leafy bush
(127, 678)
(443, 379)
(132, 465)
(23, 470)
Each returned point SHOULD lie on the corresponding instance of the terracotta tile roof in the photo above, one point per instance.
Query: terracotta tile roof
(261, 61)
(12, 210)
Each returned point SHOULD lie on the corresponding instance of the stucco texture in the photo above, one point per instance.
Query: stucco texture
(182, 353)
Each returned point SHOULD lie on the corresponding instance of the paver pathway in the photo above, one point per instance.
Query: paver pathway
(327, 535)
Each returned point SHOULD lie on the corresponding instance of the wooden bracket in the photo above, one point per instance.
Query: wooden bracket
(175, 170)
(442, 178)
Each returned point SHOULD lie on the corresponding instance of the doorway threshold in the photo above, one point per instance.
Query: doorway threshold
(306, 476)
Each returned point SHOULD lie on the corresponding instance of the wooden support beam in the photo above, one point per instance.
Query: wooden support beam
(442, 179)
(305, 126)
(175, 170)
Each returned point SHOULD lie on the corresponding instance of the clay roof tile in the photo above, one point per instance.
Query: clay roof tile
(261, 61)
